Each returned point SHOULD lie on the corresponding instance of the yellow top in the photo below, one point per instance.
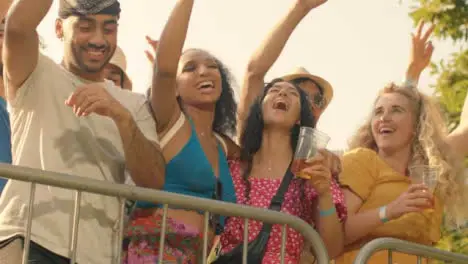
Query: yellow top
(377, 184)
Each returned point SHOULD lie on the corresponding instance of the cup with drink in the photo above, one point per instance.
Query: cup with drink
(338, 158)
(309, 142)
(425, 174)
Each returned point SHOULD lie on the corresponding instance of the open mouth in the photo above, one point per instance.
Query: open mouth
(94, 54)
(280, 105)
(386, 131)
(206, 85)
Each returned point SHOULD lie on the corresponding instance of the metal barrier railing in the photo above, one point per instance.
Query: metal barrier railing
(81, 184)
(421, 251)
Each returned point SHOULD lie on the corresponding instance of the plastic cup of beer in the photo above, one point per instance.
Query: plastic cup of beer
(309, 142)
(425, 174)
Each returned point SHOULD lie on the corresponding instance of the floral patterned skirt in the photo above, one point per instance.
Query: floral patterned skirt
(182, 245)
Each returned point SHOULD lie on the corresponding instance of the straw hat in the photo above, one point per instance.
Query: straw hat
(120, 61)
(326, 87)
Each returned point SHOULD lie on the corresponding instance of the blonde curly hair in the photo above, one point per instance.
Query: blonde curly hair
(428, 148)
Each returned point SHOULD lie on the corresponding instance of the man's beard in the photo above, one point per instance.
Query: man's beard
(77, 54)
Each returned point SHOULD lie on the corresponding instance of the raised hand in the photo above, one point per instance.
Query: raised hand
(94, 98)
(421, 50)
(310, 4)
(154, 46)
(415, 199)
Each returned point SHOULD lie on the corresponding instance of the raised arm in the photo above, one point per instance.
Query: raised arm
(4, 5)
(421, 53)
(21, 47)
(163, 91)
(268, 52)
(458, 139)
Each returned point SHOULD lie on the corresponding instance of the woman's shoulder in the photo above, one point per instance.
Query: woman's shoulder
(360, 154)
(230, 147)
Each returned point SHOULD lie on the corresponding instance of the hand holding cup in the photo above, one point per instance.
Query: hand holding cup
(317, 171)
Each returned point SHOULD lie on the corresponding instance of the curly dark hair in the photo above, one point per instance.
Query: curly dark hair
(251, 138)
(225, 119)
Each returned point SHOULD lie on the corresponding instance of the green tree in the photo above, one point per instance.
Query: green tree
(450, 16)
(451, 20)
(452, 85)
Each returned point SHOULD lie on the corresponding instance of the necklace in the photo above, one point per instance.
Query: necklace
(269, 167)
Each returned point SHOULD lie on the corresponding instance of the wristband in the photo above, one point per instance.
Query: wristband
(383, 214)
(327, 212)
(410, 83)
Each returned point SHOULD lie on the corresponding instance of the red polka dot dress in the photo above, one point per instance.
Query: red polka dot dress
(295, 203)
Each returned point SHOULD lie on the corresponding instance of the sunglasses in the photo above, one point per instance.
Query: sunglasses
(317, 100)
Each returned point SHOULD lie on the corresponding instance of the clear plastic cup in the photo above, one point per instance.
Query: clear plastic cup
(309, 142)
(425, 174)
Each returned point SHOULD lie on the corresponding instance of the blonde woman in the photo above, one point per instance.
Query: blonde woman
(405, 129)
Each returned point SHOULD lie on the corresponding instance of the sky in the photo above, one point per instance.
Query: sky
(358, 46)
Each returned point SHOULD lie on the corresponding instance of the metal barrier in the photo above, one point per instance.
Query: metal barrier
(421, 251)
(81, 184)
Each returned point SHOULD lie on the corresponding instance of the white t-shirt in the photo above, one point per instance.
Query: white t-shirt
(47, 135)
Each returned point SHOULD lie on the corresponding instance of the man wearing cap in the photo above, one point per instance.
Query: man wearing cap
(66, 118)
(115, 70)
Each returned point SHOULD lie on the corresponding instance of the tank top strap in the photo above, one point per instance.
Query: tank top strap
(173, 130)
(222, 142)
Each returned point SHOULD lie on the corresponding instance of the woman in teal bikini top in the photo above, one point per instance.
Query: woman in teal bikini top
(195, 111)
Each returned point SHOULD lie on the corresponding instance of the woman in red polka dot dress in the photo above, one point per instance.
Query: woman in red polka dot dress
(267, 145)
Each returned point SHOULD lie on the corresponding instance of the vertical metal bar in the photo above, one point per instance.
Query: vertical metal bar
(27, 239)
(419, 261)
(283, 242)
(76, 221)
(206, 227)
(390, 256)
(246, 241)
(163, 235)
(120, 231)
